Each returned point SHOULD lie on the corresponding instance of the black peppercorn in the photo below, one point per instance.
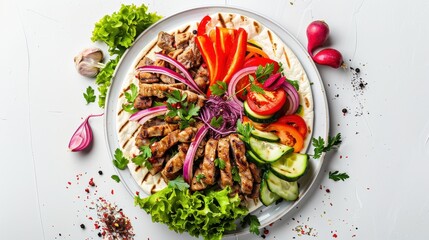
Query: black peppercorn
(194, 32)
(100, 172)
(82, 226)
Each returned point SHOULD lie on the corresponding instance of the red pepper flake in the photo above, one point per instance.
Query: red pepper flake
(91, 182)
(341, 156)
(334, 235)
(137, 193)
(112, 192)
(69, 183)
(327, 190)
(87, 190)
(96, 226)
(266, 231)
(90, 218)
(271, 224)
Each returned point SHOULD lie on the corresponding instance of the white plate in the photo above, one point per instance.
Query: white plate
(266, 215)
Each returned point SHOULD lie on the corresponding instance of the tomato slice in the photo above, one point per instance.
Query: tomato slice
(253, 62)
(288, 135)
(295, 121)
(268, 103)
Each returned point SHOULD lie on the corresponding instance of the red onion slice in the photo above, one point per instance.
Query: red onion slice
(190, 155)
(235, 79)
(172, 74)
(292, 97)
(143, 113)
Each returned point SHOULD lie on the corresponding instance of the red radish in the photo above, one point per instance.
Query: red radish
(317, 33)
(329, 57)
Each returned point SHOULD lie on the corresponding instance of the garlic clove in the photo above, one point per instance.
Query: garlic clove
(88, 62)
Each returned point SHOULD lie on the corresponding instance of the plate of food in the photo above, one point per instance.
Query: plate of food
(215, 109)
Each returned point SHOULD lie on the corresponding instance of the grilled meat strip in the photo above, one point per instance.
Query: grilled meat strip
(238, 150)
(142, 102)
(165, 41)
(181, 39)
(162, 90)
(146, 77)
(256, 172)
(159, 148)
(157, 164)
(191, 56)
(223, 153)
(175, 164)
(158, 130)
(207, 167)
(202, 78)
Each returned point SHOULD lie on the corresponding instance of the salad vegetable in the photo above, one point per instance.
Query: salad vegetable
(82, 137)
(208, 214)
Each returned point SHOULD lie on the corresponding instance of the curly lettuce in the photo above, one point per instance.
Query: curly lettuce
(207, 214)
(120, 29)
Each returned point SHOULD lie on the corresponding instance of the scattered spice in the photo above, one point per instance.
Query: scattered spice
(100, 172)
(91, 182)
(344, 111)
(87, 190)
(114, 223)
(82, 226)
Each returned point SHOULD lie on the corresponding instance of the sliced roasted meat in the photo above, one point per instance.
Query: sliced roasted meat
(255, 192)
(181, 39)
(200, 149)
(202, 78)
(238, 150)
(140, 141)
(158, 130)
(223, 153)
(256, 172)
(162, 90)
(145, 77)
(175, 53)
(174, 166)
(157, 164)
(165, 41)
(197, 185)
(207, 166)
(191, 56)
(159, 148)
(164, 78)
(174, 119)
(142, 102)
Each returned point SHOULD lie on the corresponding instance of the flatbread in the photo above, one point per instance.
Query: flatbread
(270, 43)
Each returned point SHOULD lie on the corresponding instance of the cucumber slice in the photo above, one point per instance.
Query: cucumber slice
(290, 167)
(267, 197)
(255, 159)
(257, 117)
(264, 136)
(268, 151)
(286, 190)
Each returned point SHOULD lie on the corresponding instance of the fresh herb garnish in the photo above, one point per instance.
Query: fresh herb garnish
(294, 83)
(219, 88)
(235, 175)
(262, 73)
(143, 158)
(216, 122)
(281, 68)
(116, 178)
(244, 130)
(319, 145)
(156, 104)
(220, 163)
(119, 160)
(336, 176)
(89, 95)
(132, 94)
(200, 176)
(253, 87)
(178, 183)
(129, 108)
(253, 223)
(178, 106)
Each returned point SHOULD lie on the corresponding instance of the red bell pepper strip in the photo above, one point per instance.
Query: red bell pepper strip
(202, 25)
(208, 53)
(236, 57)
(288, 135)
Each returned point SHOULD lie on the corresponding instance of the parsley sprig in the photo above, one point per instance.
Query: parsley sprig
(119, 160)
(220, 163)
(130, 96)
(319, 145)
(253, 223)
(89, 95)
(216, 122)
(244, 129)
(200, 177)
(337, 176)
(178, 106)
(261, 75)
(143, 158)
(235, 175)
(219, 88)
(178, 183)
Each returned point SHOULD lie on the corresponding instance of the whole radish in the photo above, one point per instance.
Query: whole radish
(329, 57)
(317, 34)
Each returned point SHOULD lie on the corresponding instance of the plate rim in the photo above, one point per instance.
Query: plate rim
(313, 69)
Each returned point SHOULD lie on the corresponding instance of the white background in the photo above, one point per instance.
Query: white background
(386, 130)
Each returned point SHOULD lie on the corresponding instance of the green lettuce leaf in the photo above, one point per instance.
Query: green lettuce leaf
(207, 214)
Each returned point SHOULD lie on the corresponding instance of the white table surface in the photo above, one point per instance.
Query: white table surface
(386, 130)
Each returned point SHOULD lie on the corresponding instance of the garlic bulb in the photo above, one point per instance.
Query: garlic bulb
(88, 62)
